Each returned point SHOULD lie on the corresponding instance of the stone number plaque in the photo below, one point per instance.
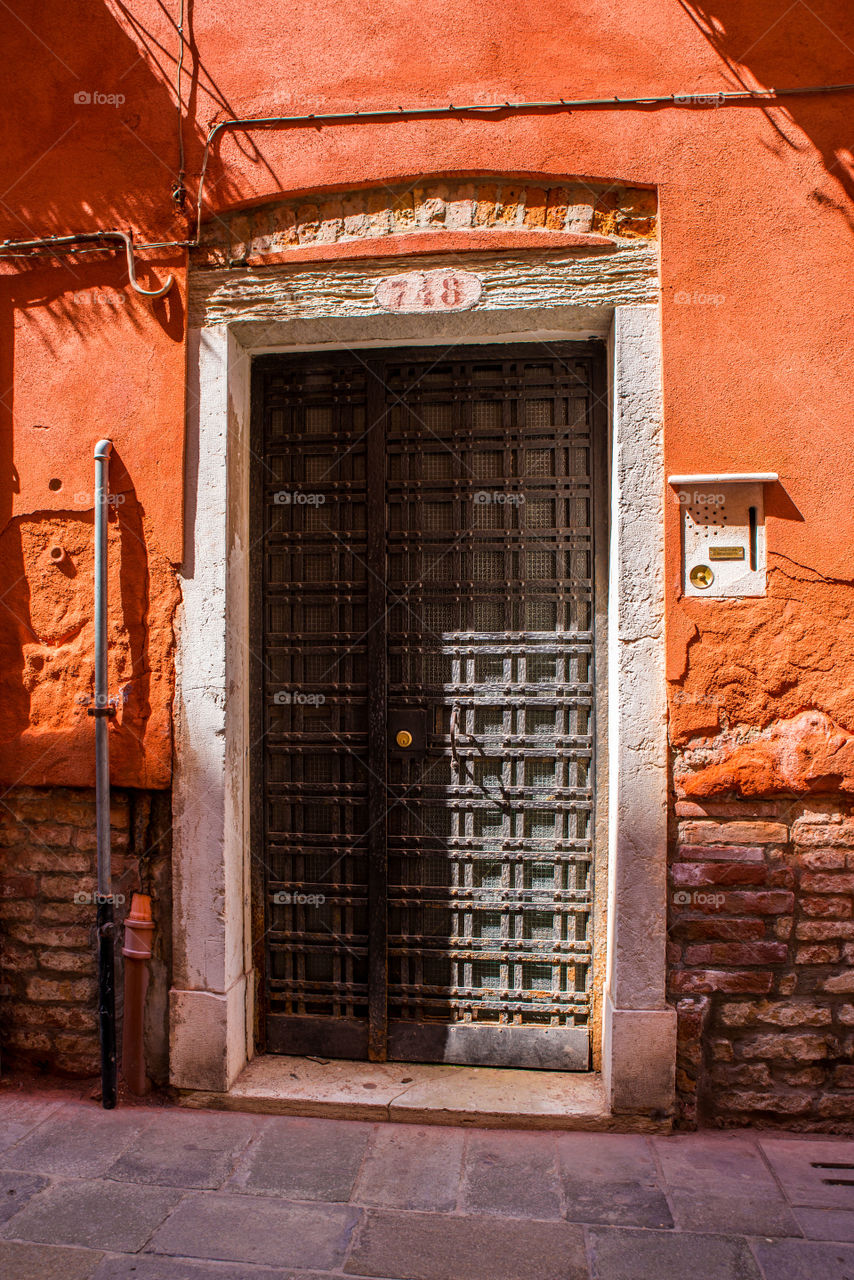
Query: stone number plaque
(422, 291)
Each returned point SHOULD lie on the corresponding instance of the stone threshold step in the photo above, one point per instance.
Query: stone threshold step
(415, 1093)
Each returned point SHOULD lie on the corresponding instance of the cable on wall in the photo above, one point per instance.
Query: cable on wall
(179, 191)
(690, 101)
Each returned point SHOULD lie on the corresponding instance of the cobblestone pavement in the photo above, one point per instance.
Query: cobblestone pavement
(161, 1193)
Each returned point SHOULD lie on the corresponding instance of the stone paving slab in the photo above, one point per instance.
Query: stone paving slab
(410, 1167)
(234, 1228)
(152, 1193)
(733, 1215)
(199, 1152)
(669, 1255)
(798, 1163)
(15, 1190)
(611, 1180)
(435, 1246)
(804, 1260)
(303, 1159)
(619, 1204)
(78, 1141)
(20, 1115)
(715, 1164)
(93, 1214)
(161, 1267)
(511, 1173)
(606, 1157)
(20, 1261)
(826, 1224)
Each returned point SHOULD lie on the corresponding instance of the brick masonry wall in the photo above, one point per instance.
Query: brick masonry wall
(48, 969)
(629, 213)
(761, 962)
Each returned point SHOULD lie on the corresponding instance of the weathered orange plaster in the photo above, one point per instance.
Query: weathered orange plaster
(808, 754)
(756, 260)
(47, 650)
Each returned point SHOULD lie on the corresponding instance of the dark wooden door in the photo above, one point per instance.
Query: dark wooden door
(424, 691)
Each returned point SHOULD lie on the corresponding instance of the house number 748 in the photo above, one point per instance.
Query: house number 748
(421, 291)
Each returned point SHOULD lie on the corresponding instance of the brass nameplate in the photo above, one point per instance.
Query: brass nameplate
(726, 553)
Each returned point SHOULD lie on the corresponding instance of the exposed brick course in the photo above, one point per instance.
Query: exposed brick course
(761, 947)
(48, 977)
(760, 962)
(628, 213)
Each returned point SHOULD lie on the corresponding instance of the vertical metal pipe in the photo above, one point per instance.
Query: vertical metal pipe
(101, 711)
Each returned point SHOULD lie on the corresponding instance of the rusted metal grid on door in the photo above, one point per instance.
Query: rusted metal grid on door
(314, 763)
(490, 578)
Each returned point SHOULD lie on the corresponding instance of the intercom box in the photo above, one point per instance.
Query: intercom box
(723, 538)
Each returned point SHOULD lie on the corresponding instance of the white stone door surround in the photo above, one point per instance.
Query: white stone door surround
(211, 1013)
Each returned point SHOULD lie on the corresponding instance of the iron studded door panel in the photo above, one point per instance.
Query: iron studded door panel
(426, 774)
(311, 506)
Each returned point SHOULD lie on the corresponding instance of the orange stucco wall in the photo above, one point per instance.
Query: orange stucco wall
(755, 211)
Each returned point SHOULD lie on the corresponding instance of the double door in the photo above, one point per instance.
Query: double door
(424, 695)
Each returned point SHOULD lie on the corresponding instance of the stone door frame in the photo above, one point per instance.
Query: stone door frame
(211, 1003)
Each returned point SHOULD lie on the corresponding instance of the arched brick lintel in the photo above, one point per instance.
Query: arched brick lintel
(431, 215)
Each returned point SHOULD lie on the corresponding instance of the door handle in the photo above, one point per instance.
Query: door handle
(461, 763)
(455, 722)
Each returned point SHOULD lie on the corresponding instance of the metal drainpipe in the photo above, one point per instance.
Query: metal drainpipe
(102, 711)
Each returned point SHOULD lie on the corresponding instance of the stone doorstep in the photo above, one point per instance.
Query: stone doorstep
(415, 1093)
